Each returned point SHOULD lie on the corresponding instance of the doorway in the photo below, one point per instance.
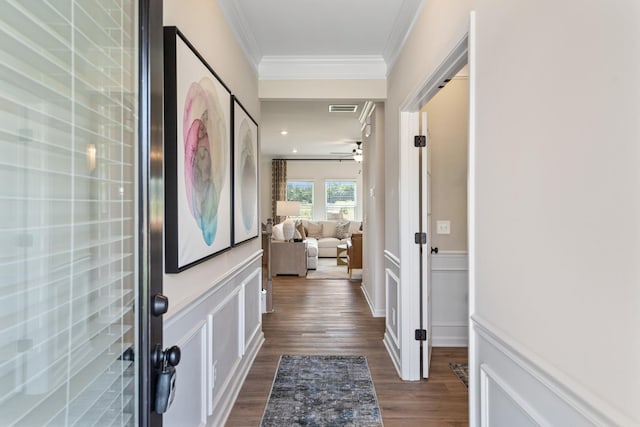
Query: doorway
(415, 270)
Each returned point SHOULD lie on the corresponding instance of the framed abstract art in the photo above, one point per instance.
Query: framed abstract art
(245, 174)
(198, 187)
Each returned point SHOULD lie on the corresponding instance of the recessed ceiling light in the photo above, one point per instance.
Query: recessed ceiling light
(295, 150)
(283, 132)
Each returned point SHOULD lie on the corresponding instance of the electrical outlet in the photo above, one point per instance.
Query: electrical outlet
(443, 227)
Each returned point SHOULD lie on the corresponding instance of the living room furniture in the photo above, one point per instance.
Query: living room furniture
(354, 252)
(288, 258)
(340, 250)
(326, 235)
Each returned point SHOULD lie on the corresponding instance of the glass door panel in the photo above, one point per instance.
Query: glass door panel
(68, 203)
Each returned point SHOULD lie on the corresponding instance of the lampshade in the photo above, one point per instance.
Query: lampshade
(287, 208)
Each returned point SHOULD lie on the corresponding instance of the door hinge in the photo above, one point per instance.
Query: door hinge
(420, 141)
(421, 334)
(420, 238)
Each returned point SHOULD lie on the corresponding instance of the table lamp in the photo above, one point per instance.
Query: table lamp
(287, 209)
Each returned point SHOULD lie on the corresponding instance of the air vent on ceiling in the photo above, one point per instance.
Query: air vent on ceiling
(343, 108)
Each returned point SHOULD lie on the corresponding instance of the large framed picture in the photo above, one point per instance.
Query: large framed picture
(245, 174)
(197, 110)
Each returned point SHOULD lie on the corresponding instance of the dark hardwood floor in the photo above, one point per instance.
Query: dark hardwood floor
(332, 317)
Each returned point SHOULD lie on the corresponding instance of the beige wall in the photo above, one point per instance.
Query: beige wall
(448, 122)
(373, 276)
(204, 26)
(557, 182)
(318, 172)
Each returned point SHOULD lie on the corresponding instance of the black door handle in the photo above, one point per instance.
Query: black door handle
(434, 250)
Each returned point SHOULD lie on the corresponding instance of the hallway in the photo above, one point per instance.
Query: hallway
(332, 317)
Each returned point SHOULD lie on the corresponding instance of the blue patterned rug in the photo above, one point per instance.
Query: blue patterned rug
(462, 372)
(322, 391)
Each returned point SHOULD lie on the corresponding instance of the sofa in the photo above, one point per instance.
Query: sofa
(324, 236)
(321, 237)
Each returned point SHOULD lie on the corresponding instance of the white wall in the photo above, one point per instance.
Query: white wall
(557, 236)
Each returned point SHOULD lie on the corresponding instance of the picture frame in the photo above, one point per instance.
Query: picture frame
(245, 174)
(198, 187)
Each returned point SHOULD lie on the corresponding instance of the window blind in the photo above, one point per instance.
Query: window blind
(68, 245)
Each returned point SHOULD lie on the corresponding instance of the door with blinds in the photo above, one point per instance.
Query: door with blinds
(69, 195)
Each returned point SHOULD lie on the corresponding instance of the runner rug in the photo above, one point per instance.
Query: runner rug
(462, 372)
(322, 391)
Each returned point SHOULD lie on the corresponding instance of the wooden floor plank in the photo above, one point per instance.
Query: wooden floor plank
(332, 317)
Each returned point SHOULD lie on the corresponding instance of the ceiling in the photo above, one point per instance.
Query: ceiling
(365, 33)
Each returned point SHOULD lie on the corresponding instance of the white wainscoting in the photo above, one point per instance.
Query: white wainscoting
(392, 321)
(514, 389)
(220, 335)
(450, 299)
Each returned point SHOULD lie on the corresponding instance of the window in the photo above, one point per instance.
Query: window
(302, 191)
(341, 199)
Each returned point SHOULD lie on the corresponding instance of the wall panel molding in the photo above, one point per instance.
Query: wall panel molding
(229, 320)
(511, 379)
(450, 293)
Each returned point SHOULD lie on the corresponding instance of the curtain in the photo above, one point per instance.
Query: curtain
(278, 186)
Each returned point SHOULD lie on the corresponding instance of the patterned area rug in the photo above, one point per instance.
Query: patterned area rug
(327, 269)
(322, 391)
(462, 372)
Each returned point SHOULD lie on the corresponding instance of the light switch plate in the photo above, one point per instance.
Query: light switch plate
(443, 227)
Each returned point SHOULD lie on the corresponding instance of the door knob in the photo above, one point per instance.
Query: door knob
(434, 250)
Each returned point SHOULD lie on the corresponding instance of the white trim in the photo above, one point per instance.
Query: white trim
(392, 258)
(409, 300)
(232, 389)
(322, 67)
(402, 27)
(374, 312)
(392, 352)
(474, 391)
(486, 374)
(257, 273)
(450, 334)
(181, 310)
(449, 261)
(581, 400)
(231, 9)
(389, 331)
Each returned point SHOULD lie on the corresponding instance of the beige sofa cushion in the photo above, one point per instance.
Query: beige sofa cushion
(315, 229)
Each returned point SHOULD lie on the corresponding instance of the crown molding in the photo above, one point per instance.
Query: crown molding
(232, 11)
(322, 67)
(406, 18)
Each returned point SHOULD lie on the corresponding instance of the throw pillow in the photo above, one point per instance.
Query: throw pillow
(301, 231)
(314, 229)
(277, 233)
(342, 230)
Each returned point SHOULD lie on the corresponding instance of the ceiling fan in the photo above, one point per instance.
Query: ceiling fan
(356, 153)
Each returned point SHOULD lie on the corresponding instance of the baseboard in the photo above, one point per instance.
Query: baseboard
(393, 352)
(450, 334)
(223, 410)
(511, 384)
(374, 312)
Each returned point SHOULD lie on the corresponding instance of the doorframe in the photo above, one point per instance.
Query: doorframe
(463, 52)
(150, 200)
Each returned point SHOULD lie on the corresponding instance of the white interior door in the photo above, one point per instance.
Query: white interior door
(425, 225)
